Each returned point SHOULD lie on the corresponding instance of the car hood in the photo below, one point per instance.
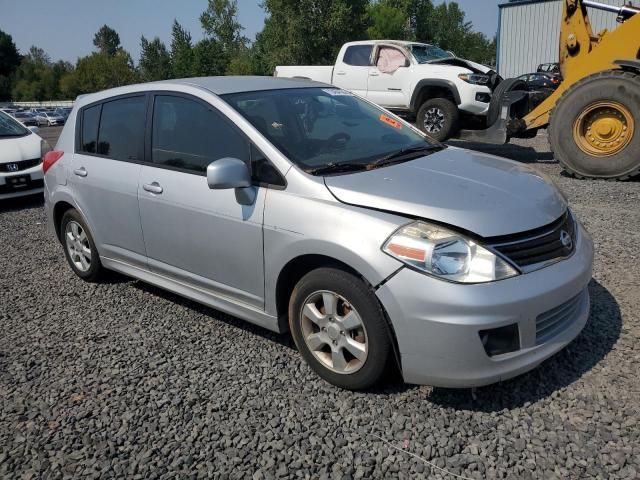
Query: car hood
(462, 63)
(16, 149)
(480, 193)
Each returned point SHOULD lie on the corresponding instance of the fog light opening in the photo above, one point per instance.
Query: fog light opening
(498, 341)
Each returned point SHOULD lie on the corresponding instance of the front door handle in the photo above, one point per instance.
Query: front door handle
(341, 73)
(81, 172)
(153, 187)
(374, 74)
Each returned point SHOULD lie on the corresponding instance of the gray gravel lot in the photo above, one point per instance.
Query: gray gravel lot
(123, 379)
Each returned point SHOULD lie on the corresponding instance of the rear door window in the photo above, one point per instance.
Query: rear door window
(189, 135)
(358, 55)
(121, 134)
(89, 134)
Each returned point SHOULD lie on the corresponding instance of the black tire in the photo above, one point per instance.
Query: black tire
(361, 298)
(450, 118)
(508, 85)
(618, 86)
(95, 270)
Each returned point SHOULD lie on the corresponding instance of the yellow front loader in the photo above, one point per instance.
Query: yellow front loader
(593, 118)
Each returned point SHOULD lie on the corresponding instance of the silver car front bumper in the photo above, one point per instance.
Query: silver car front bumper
(438, 324)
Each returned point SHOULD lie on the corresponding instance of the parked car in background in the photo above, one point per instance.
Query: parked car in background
(550, 68)
(21, 151)
(541, 81)
(414, 79)
(26, 118)
(49, 118)
(300, 206)
(62, 112)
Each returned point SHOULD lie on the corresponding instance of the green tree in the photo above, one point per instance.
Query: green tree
(155, 61)
(181, 52)
(220, 22)
(107, 40)
(99, 71)
(209, 58)
(389, 19)
(308, 31)
(9, 62)
(35, 78)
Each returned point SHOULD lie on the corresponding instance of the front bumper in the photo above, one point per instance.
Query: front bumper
(437, 323)
(469, 99)
(34, 185)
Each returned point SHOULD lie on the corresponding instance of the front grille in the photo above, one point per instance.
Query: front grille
(556, 320)
(22, 165)
(31, 185)
(540, 246)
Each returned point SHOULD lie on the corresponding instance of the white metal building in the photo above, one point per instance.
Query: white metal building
(529, 31)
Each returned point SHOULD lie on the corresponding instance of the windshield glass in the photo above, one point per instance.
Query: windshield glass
(10, 127)
(424, 53)
(319, 127)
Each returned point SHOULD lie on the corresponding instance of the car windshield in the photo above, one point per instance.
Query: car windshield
(318, 128)
(424, 53)
(10, 127)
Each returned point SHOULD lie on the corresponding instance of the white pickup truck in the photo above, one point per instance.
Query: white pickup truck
(415, 79)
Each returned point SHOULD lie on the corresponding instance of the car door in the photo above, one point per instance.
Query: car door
(104, 176)
(352, 69)
(210, 239)
(389, 80)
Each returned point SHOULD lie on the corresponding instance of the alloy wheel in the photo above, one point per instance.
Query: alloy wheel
(434, 120)
(334, 332)
(78, 246)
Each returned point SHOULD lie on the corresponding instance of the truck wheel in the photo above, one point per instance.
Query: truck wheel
(594, 130)
(439, 118)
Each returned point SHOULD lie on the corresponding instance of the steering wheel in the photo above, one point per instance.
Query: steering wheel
(338, 141)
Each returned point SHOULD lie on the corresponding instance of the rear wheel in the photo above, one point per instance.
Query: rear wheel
(594, 130)
(79, 247)
(340, 328)
(439, 118)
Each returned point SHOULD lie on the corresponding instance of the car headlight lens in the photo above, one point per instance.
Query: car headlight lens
(446, 254)
(475, 78)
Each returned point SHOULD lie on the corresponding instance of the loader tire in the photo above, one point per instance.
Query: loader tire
(594, 130)
(508, 85)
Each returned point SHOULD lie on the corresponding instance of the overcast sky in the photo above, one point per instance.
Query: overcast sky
(65, 28)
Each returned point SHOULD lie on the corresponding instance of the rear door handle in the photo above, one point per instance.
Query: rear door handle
(81, 172)
(153, 187)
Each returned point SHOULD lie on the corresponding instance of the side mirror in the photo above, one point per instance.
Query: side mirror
(34, 129)
(228, 173)
(407, 63)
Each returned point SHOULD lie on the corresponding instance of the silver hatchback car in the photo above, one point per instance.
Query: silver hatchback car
(301, 207)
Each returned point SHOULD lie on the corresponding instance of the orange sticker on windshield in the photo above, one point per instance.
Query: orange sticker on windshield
(390, 121)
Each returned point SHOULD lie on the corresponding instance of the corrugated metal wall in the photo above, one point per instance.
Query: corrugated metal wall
(529, 34)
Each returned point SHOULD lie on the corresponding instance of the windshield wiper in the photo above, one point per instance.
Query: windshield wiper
(337, 168)
(403, 155)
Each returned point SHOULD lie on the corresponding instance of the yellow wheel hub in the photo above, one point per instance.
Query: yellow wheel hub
(604, 129)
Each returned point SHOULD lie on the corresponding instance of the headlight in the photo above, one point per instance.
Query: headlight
(446, 254)
(475, 78)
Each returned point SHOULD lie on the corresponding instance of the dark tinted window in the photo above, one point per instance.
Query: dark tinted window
(121, 133)
(90, 120)
(358, 55)
(190, 135)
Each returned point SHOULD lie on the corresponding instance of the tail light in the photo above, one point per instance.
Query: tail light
(50, 158)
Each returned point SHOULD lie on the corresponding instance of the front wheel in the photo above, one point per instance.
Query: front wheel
(439, 118)
(339, 328)
(594, 130)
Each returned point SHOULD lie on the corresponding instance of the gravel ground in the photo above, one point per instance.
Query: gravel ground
(122, 379)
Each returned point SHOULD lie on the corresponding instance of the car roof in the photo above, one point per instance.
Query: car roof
(216, 85)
